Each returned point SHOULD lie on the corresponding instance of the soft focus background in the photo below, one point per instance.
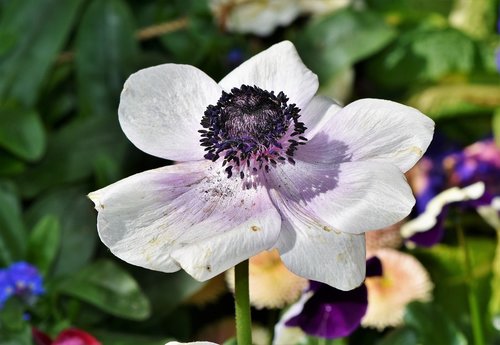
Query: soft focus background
(62, 67)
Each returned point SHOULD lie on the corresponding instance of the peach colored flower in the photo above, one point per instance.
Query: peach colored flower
(403, 280)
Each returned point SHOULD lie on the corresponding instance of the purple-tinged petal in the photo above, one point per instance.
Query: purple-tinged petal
(161, 108)
(278, 68)
(188, 215)
(477, 162)
(380, 130)
(332, 313)
(352, 197)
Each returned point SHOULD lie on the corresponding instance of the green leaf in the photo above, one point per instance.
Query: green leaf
(179, 284)
(9, 165)
(106, 53)
(107, 170)
(114, 338)
(14, 330)
(424, 55)
(110, 288)
(231, 341)
(446, 266)
(11, 316)
(496, 126)
(400, 336)
(330, 44)
(432, 325)
(322, 341)
(451, 101)
(32, 34)
(21, 132)
(44, 243)
(412, 8)
(12, 231)
(77, 223)
(71, 153)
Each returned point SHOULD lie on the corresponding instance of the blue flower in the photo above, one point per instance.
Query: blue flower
(6, 288)
(20, 279)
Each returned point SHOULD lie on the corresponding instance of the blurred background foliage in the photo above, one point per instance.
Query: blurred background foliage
(62, 67)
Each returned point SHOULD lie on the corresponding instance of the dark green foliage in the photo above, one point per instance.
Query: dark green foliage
(62, 68)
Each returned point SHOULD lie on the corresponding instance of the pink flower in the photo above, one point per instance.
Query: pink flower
(262, 163)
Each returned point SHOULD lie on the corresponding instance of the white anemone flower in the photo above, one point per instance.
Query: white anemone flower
(261, 163)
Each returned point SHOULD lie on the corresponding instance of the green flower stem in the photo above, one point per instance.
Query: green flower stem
(242, 304)
(495, 283)
(476, 322)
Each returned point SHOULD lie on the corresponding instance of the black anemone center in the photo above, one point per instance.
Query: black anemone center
(250, 115)
(250, 122)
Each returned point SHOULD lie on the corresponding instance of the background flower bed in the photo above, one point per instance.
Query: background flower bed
(62, 67)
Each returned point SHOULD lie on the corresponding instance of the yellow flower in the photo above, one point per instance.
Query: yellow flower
(272, 285)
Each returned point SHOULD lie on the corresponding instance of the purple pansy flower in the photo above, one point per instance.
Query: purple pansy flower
(22, 280)
(330, 313)
(262, 163)
(469, 179)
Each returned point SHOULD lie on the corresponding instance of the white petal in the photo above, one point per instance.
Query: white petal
(381, 130)
(320, 148)
(310, 248)
(161, 108)
(187, 215)
(278, 68)
(317, 113)
(353, 197)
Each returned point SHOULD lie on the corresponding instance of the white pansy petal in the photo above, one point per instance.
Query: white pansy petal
(429, 218)
(161, 108)
(353, 197)
(381, 130)
(311, 248)
(187, 216)
(278, 68)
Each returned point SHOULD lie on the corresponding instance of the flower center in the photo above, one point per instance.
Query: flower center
(251, 129)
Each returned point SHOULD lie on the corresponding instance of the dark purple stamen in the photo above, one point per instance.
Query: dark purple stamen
(250, 128)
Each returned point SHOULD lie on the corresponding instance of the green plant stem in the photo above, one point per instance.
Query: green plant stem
(242, 304)
(476, 322)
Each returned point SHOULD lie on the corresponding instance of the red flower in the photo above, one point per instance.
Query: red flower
(72, 336)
